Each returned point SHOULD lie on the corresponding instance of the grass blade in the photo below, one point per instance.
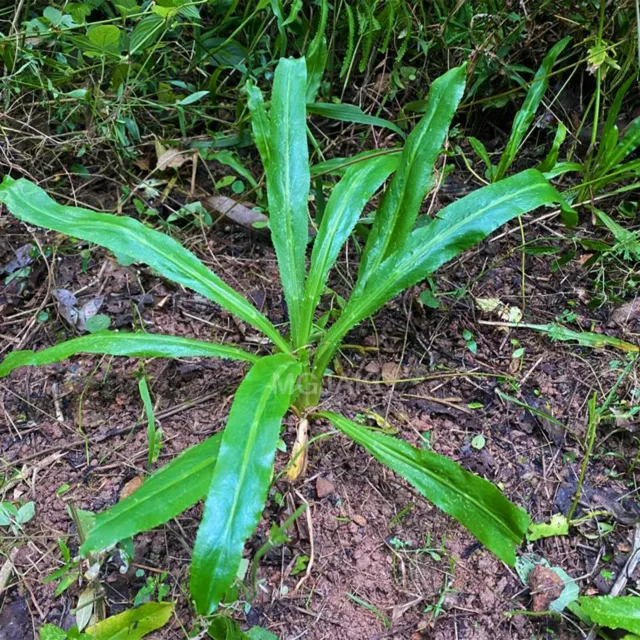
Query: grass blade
(163, 495)
(134, 345)
(241, 478)
(126, 236)
(471, 500)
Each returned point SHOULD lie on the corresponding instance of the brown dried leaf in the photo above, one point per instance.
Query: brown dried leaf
(130, 487)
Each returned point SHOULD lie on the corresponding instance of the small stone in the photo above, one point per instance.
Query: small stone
(360, 520)
(373, 368)
(546, 586)
(324, 488)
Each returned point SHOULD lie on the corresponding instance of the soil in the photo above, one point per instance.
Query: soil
(371, 559)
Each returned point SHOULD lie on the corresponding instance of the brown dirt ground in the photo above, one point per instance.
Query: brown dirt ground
(372, 537)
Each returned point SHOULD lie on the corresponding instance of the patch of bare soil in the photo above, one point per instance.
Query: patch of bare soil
(373, 559)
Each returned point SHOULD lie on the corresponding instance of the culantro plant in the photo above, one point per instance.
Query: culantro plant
(231, 471)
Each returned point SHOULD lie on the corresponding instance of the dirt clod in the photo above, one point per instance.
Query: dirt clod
(546, 586)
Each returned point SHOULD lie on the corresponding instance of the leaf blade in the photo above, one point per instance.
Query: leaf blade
(351, 113)
(342, 212)
(401, 203)
(163, 495)
(115, 343)
(239, 484)
(473, 501)
(133, 624)
(288, 184)
(127, 236)
(621, 612)
(457, 227)
(527, 112)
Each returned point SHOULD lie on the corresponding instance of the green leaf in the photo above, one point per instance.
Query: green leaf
(260, 123)
(194, 97)
(622, 612)
(99, 322)
(288, 184)
(457, 227)
(316, 57)
(241, 477)
(134, 345)
(127, 236)
(134, 623)
(341, 214)
(557, 526)
(154, 436)
(551, 159)
(474, 502)
(351, 113)
(105, 39)
(628, 144)
(163, 495)
(66, 581)
(338, 166)
(401, 203)
(147, 32)
(609, 137)
(51, 632)
(527, 112)
(231, 159)
(481, 151)
(26, 512)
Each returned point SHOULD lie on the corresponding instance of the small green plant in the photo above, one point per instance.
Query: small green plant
(523, 121)
(133, 623)
(14, 517)
(232, 471)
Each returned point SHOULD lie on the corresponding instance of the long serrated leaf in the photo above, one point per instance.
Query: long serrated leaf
(288, 184)
(133, 624)
(260, 124)
(457, 227)
(163, 495)
(316, 57)
(609, 136)
(343, 209)
(127, 236)
(134, 345)
(474, 502)
(551, 159)
(527, 112)
(241, 477)
(351, 113)
(401, 203)
(629, 143)
(622, 612)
